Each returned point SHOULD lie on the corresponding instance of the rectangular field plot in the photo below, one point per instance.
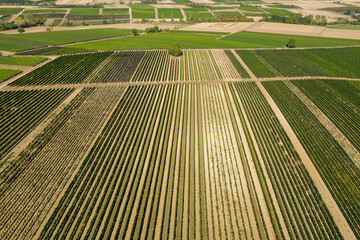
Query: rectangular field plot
(336, 168)
(7, 73)
(337, 62)
(63, 70)
(196, 160)
(21, 111)
(33, 183)
(120, 67)
(169, 13)
(193, 65)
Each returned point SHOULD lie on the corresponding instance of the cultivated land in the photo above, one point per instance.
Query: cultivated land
(237, 138)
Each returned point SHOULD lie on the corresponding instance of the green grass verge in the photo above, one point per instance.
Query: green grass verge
(187, 40)
(345, 26)
(90, 11)
(170, 13)
(7, 73)
(24, 61)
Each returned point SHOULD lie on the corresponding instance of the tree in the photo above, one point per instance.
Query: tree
(134, 31)
(175, 50)
(291, 43)
(48, 29)
(21, 30)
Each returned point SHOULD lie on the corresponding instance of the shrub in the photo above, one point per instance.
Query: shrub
(134, 31)
(175, 50)
(291, 43)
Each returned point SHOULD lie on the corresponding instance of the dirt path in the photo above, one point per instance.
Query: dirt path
(3, 87)
(329, 201)
(183, 13)
(346, 145)
(64, 18)
(13, 18)
(156, 14)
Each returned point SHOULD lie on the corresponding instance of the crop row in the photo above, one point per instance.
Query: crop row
(63, 70)
(337, 170)
(298, 200)
(21, 111)
(330, 100)
(25, 202)
(169, 169)
(120, 67)
(336, 62)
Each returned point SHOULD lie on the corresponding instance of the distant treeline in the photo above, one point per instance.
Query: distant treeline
(296, 18)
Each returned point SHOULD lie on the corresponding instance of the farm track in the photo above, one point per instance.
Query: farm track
(129, 84)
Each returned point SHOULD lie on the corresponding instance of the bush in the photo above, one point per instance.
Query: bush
(153, 30)
(21, 30)
(291, 43)
(175, 50)
(134, 31)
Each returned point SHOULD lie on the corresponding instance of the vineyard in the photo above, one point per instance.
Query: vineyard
(213, 144)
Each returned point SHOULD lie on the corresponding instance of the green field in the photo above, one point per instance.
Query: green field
(143, 13)
(44, 10)
(339, 62)
(7, 73)
(9, 11)
(278, 11)
(250, 9)
(90, 11)
(17, 42)
(227, 13)
(201, 15)
(169, 13)
(282, 6)
(24, 61)
(187, 40)
(140, 6)
(345, 26)
(116, 11)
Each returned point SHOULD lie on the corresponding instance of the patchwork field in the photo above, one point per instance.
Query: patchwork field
(213, 144)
